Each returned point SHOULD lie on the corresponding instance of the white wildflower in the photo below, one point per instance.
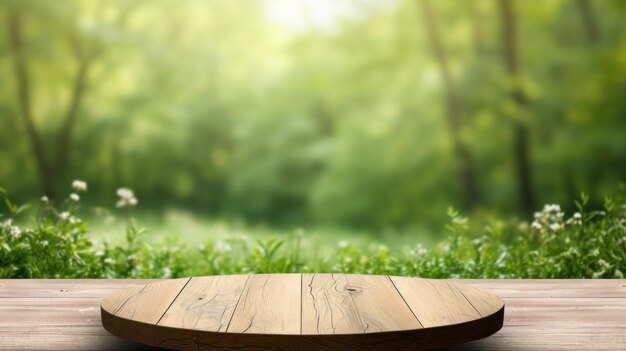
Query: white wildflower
(555, 227)
(577, 219)
(550, 217)
(109, 260)
(44, 243)
(167, 272)
(79, 185)
(64, 215)
(74, 197)
(15, 231)
(127, 198)
(343, 244)
(74, 220)
(45, 199)
(99, 253)
(222, 246)
(461, 221)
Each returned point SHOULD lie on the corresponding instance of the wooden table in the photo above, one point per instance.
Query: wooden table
(309, 312)
(540, 315)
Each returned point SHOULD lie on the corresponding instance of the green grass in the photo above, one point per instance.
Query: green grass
(58, 244)
(193, 230)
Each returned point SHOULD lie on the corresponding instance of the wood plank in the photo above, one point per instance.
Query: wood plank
(555, 313)
(536, 318)
(533, 338)
(555, 288)
(394, 314)
(53, 288)
(206, 303)
(37, 312)
(269, 304)
(511, 288)
(115, 301)
(76, 337)
(149, 304)
(435, 302)
(327, 307)
(485, 303)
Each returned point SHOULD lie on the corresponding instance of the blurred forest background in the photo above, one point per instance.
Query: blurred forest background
(358, 114)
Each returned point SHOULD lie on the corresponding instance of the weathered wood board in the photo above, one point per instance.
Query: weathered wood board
(64, 314)
(303, 312)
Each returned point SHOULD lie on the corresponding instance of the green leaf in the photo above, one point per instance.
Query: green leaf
(22, 208)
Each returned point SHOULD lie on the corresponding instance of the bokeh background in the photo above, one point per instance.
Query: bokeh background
(351, 116)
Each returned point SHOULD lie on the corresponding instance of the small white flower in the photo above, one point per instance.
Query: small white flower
(222, 246)
(167, 272)
(74, 197)
(64, 215)
(459, 220)
(45, 199)
(99, 253)
(127, 198)
(536, 225)
(125, 193)
(15, 231)
(79, 185)
(577, 219)
(109, 260)
(74, 220)
(343, 244)
(44, 243)
(555, 227)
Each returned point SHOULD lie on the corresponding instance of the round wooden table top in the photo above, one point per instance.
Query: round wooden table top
(302, 311)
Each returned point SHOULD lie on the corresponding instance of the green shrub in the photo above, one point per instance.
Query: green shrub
(587, 244)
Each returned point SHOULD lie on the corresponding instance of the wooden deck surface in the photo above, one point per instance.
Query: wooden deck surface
(540, 315)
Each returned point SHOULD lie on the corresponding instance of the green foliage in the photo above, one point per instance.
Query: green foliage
(224, 110)
(588, 244)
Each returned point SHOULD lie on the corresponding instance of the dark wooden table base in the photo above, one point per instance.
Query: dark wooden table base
(540, 315)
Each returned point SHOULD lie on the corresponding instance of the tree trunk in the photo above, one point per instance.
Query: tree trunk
(22, 78)
(65, 134)
(454, 109)
(589, 21)
(477, 27)
(520, 128)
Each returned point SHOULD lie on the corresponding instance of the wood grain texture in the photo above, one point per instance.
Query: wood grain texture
(205, 303)
(149, 303)
(270, 304)
(327, 307)
(436, 302)
(379, 305)
(482, 301)
(64, 314)
(296, 311)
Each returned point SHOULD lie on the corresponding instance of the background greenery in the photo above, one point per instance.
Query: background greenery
(353, 120)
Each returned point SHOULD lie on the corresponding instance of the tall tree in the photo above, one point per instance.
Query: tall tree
(589, 21)
(52, 168)
(453, 106)
(477, 26)
(510, 45)
(22, 77)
